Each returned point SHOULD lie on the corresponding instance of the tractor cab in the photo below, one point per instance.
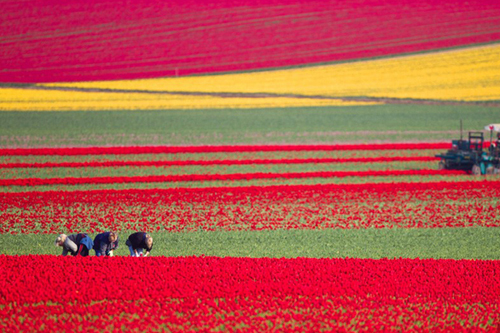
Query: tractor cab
(475, 143)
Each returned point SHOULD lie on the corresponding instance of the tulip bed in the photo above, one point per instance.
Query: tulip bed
(398, 205)
(49, 293)
(232, 210)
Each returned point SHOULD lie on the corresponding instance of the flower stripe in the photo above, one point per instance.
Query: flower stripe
(214, 149)
(96, 164)
(221, 177)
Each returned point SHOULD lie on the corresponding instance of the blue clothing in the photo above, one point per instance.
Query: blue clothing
(87, 241)
(77, 244)
(102, 245)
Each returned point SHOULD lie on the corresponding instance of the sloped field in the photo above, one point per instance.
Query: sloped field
(45, 41)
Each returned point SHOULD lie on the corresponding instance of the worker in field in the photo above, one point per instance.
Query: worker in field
(105, 243)
(139, 241)
(76, 245)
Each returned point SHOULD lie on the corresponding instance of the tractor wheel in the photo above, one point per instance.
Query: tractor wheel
(476, 170)
(490, 170)
(441, 165)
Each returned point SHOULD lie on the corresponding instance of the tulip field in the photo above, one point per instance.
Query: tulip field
(282, 155)
(363, 247)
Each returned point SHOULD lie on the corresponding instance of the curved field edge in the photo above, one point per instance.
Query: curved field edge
(439, 243)
(442, 76)
(436, 50)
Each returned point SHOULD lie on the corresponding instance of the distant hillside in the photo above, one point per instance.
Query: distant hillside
(49, 41)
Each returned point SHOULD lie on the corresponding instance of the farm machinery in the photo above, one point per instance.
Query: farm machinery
(471, 155)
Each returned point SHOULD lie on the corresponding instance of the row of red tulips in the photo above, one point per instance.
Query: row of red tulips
(222, 177)
(407, 205)
(96, 164)
(50, 293)
(214, 149)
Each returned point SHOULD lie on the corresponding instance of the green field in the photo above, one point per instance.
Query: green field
(209, 170)
(363, 124)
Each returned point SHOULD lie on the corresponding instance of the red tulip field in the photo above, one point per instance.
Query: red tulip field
(250, 166)
(235, 294)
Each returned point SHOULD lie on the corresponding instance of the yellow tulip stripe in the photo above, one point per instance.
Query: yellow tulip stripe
(471, 74)
(18, 99)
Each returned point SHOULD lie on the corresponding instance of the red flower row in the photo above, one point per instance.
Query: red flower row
(414, 205)
(50, 293)
(95, 164)
(222, 177)
(214, 149)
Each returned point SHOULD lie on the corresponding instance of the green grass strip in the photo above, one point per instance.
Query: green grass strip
(304, 125)
(128, 171)
(221, 156)
(453, 243)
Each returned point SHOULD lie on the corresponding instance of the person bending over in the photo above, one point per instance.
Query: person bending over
(76, 245)
(105, 244)
(139, 241)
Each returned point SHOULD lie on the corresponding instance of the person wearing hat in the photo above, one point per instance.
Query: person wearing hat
(105, 243)
(139, 241)
(76, 245)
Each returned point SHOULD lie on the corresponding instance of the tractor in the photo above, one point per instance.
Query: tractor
(470, 155)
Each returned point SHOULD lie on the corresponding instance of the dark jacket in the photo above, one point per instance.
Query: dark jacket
(79, 240)
(102, 245)
(138, 241)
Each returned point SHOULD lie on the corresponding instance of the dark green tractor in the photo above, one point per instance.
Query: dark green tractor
(470, 155)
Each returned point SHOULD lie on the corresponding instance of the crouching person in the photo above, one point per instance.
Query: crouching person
(76, 245)
(105, 244)
(139, 241)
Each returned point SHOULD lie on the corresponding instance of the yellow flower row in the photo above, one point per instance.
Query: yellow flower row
(466, 74)
(18, 99)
